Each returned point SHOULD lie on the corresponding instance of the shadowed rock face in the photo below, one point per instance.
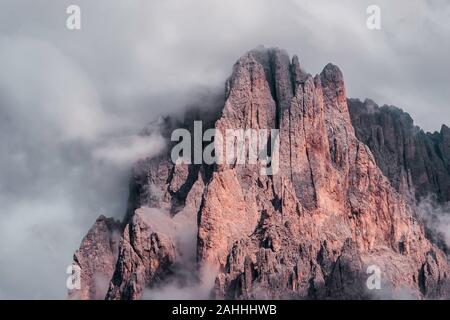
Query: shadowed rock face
(308, 232)
(414, 161)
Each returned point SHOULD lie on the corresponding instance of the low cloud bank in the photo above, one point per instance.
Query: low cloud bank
(436, 217)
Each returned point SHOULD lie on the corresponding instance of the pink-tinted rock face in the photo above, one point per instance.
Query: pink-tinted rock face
(329, 206)
(309, 231)
(96, 259)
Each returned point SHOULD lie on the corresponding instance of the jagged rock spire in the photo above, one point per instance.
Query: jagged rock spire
(309, 231)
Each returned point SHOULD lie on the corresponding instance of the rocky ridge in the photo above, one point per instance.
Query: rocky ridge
(415, 161)
(308, 232)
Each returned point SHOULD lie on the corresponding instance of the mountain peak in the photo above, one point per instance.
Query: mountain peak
(331, 73)
(309, 230)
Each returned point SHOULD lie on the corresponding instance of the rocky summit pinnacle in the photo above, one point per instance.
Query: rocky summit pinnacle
(311, 231)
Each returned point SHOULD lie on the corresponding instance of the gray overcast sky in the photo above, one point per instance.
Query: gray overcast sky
(71, 101)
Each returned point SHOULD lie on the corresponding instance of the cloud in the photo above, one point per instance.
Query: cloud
(158, 51)
(388, 292)
(35, 236)
(127, 150)
(182, 228)
(185, 284)
(65, 160)
(48, 92)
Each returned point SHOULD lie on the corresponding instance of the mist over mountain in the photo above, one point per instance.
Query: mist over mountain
(309, 231)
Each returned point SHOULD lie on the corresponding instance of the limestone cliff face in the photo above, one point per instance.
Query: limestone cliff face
(413, 160)
(308, 231)
(145, 257)
(96, 259)
(329, 208)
